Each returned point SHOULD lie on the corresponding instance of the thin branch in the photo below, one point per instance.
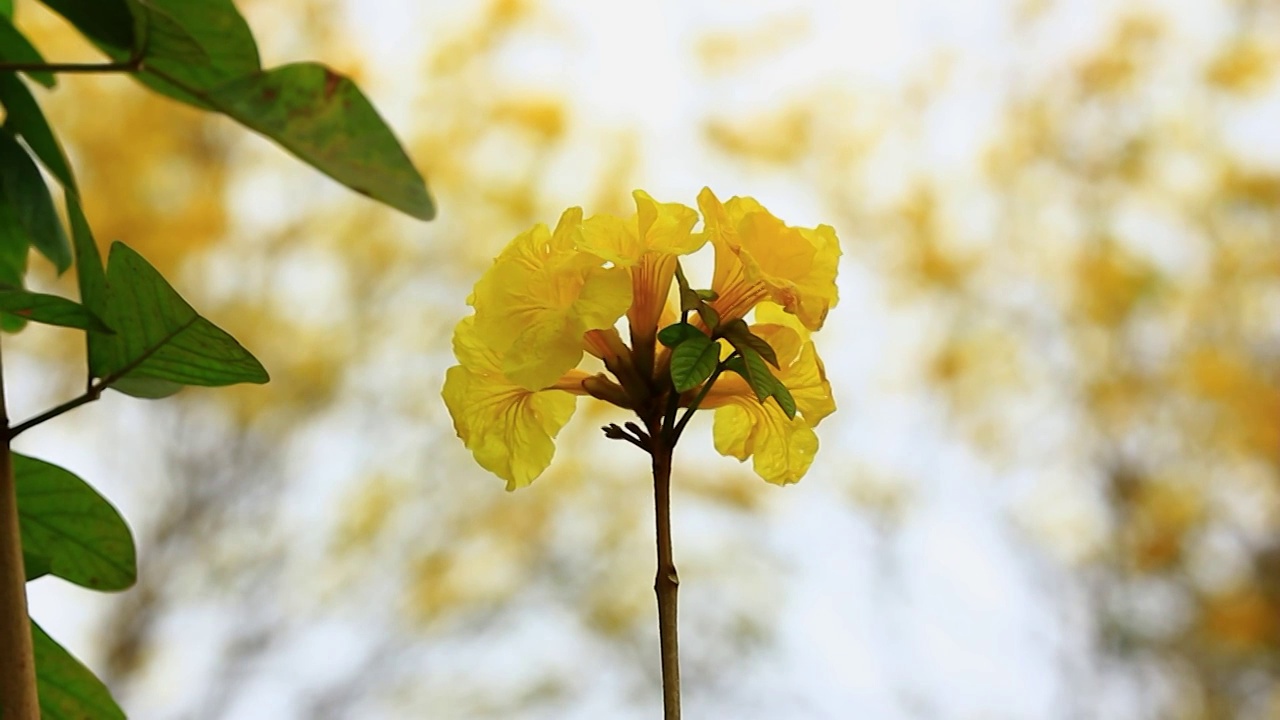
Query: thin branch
(94, 391)
(133, 64)
(666, 583)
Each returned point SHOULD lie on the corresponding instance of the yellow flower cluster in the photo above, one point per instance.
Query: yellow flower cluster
(553, 295)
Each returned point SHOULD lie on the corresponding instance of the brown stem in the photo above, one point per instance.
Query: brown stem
(666, 582)
(18, 698)
(130, 65)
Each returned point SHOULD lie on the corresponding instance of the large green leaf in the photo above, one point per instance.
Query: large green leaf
(324, 119)
(66, 522)
(68, 690)
(49, 309)
(106, 22)
(36, 566)
(15, 47)
(693, 361)
(27, 121)
(159, 336)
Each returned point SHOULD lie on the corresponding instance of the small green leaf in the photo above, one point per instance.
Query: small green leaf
(676, 333)
(693, 361)
(785, 401)
(159, 336)
(689, 299)
(324, 119)
(22, 188)
(15, 47)
(6, 8)
(740, 336)
(755, 370)
(64, 520)
(49, 309)
(106, 22)
(707, 295)
(26, 120)
(709, 316)
(68, 690)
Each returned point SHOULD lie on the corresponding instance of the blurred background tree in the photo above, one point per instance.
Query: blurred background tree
(1052, 490)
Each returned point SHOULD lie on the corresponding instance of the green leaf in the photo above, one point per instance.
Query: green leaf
(693, 361)
(106, 22)
(6, 8)
(324, 119)
(15, 47)
(49, 309)
(689, 298)
(26, 120)
(676, 333)
(709, 316)
(36, 566)
(707, 295)
(23, 191)
(90, 275)
(785, 401)
(755, 370)
(68, 690)
(67, 522)
(740, 336)
(159, 336)
(192, 46)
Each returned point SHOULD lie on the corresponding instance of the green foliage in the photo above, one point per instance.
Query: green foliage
(158, 336)
(753, 368)
(693, 361)
(26, 208)
(741, 338)
(27, 122)
(676, 333)
(68, 689)
(72, 530)
(49, 310)
(324, 119)
(696, 301)
(143, 339)
(15, 47)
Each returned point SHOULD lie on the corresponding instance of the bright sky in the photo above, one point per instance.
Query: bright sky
(946, 613)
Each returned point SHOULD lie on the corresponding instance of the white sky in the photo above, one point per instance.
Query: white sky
(943, 614)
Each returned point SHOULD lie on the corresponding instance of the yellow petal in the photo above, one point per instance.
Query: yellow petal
(666, 227)
(508, 428)
(539, 297)
(806, 378)
(758, 257)
(781, 449)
